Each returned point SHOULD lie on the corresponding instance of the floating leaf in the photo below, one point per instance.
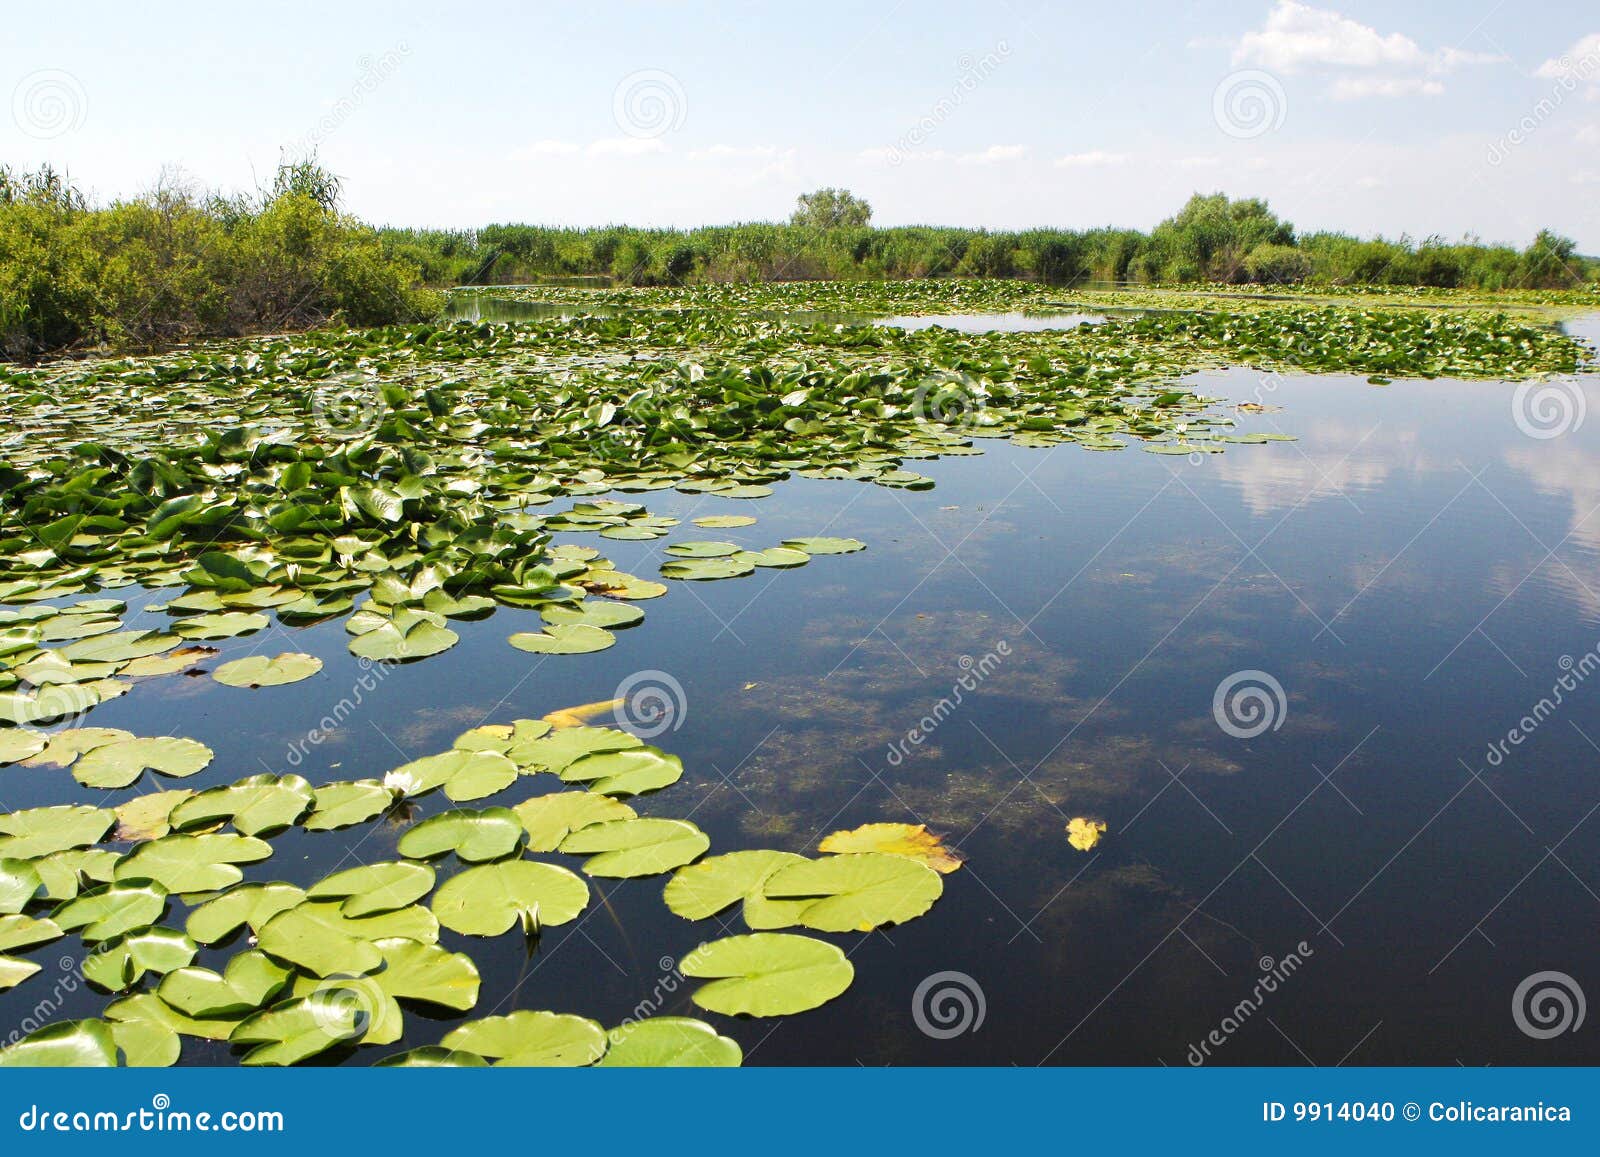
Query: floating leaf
(19, 744)
(339, 805)
(631, 772)
(767, 973)
(69, 1044)
(148, 817)
(1084, 834)
(25, 932)
(374, 888)
(65, 874)
(249, 981)
(146, 1008)
(64, 747)
(299, 1029)
(557, 750)
(257, 804)
(245, 904)
(707, 569)
(434, 1057)
(704, 889)
(36, 832)
(825, 545)
(182, 863)
(260, 671)
(425, 972)
(319, 938)
(912, 840)
(564, 639)
(226, 625)
(526, 1039)
(490, 899)
(723, 521)
(703, 549)
(20, 883)
(670, 1042)
(592, 613)
(121, 763)
(144, 1044)
(112, 911)
(857, 892)
(549, 819)
(14, 971)
(474, 836)
(120, 964)
(624, 849)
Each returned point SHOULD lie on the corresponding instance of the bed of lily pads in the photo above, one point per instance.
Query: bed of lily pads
(408, 483)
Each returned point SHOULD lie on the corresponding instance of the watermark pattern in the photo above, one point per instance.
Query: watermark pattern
(1249, 703)
(49, 1007)
(374, 70)
(948, 1004)
(49, 103)
(1249, 103)
(1274, 973)
(973, 673)
(373, 674)
(650, 703)
(1570, 75)
(1547, 1004)
(649, 103)
(973, 71)
(347, 410)
(160, 1117)
(1575, 671)
(1549, 409)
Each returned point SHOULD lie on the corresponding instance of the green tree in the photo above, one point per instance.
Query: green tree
(830, 209)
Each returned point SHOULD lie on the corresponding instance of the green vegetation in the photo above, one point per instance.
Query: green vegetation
(175, 264)
(1212, 239)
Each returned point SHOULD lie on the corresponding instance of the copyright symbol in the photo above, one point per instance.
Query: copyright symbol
(1412, 1111)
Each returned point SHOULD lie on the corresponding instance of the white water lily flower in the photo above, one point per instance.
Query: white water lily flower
(402, 783)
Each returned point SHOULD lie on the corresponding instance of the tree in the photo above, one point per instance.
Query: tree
(830, 209)
(1552, 260)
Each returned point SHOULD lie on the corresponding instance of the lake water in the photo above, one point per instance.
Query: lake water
(1414, 573)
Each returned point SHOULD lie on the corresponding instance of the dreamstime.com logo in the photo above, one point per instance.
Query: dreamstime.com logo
(1249, 703)
(1248, 104)
(160, 1117)
(947, 1004)
(1547, 1004)
(650, 703)
(649, 103)
(48, 104)
(1549, 409)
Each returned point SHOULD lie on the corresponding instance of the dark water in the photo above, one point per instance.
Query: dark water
(1414, 572)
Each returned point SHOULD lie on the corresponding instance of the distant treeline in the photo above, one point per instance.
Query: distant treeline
(1213, 238)
(175, 263)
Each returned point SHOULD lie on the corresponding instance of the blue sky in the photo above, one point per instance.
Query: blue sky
(1479, 116)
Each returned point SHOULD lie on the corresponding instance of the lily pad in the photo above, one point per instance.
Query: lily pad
(422, 972)
(260, 671)
(145, 1044)
(825, 545)
(250, 980)
(148, 817)
(474, 836)
(625, 849)
(17, 931)
(703, 549)
(723, 521)
(670, 1042)
(433, 1057)
(549, 819)
(120, 764)
(911, 840)
(69, 1044)
(319, 938)
(183, 863)
(374, 888)
(857, 892)
(20, 883)
(19, 744)
(120, 964)
(564, 639)
(630, 772)
(490, 899)
(255, 805)
(249, 905)
(112, 911)
(299, 1029)
(36, 832)
(707, 569)
(767, 973)
(557, 750)
(339, 805)
(226, 625)
(528, 1039)
(704, 889)
(64, 747)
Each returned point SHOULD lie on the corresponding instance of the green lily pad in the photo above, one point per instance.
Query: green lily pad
(145, 1008)
(148, 817)
(250, 980)
(300, 1029)
(260, 671)
(374, 888)
(112, 911)
(258, 804)
(592, 613)
(422, 972)
(20, 883)
(767, 974)
(557, 750)
(319, 938)
(48, 704)
(17, 931)
(527, 1039)
(857, 892)
(630, 772)
(14, 971)
(779, 557)
(120, 964)
(723, 521)
(19, 744)
(707, 569)
(714, 884)
(564, 639)
(624, 849)
(145, 1044)
(703, 549)
(549, 819)
(64, 747)
(824, 545)
(36, 832)
(182, 863)
(474, 836)
(121, 763)
(490, 899)
(393, 643)
(251, 905)
(120, 647)
(670, 1042)
(69, 1044)
(464, 775)
(339, 805)
(65, 874)
(433, 1057)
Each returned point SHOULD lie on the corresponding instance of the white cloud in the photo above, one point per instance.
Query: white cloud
(625, 147)
(734, 152)
(1359, 60)
(550, 149)
(1589, 135)
(1094, 159)
(1578, 65)
(1198, 162)
(994, 154)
